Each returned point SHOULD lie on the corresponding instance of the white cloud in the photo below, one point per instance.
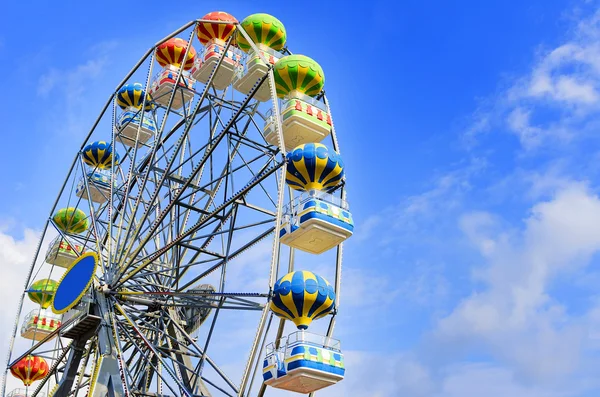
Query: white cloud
(387, 374)
(558, 100)
(521, 336)
(545, 183)
(480, 123)
(358, 285)
(365, 229)
(533, 230)
(48, 82)
(514, 317)
(444, 195)
(73, 80)
(15, 259)
(70, 89)
(571, 90)
(476, 380)
(519, 121)
(552, 78)
(474, 224)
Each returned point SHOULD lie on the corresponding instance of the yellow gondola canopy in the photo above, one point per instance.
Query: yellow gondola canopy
(99, 155)
(313, 166)
(132, 96)
(302, 297)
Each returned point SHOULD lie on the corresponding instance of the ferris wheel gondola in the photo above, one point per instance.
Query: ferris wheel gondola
(214, 38)
(176, 57)
(136, 124)
(267, 37)
(155, 233)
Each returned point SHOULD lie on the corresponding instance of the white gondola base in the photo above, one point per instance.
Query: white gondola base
(303, 120)
(129, 132)
(32, 333)
(304, 380)
(296, 131)
(162, 93)
(98, 193)
(62, 254)
(38, 324)
(224, 75)
(304, 363)
(163, 84)
(248, 80)
(315, 236)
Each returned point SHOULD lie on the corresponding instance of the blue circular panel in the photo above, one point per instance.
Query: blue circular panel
(74, 283)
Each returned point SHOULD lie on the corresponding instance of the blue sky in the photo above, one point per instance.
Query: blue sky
(470, 134)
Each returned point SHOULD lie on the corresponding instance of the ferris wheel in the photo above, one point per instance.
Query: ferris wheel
(191, 228)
